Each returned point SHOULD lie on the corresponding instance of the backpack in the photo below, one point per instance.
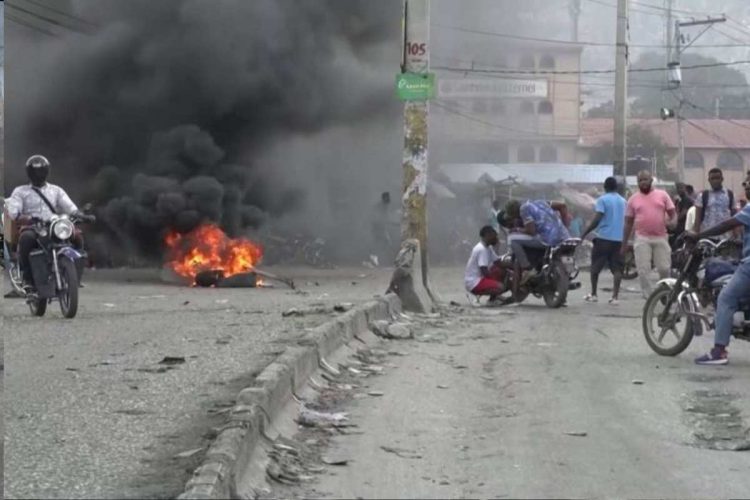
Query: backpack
(704, 198)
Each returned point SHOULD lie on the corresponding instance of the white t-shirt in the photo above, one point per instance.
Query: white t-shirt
(690, 219)
(481, 256)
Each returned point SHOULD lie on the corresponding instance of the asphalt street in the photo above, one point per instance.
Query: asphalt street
(91, 412)
(527, 402)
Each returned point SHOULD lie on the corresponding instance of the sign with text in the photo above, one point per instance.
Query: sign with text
(491, 88)
(415, 86)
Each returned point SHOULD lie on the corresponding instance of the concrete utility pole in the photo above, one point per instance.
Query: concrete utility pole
(416, 60)
(575, 12)
(675, 63)
(621, 90)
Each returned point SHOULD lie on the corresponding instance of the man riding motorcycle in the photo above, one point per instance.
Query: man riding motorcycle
(544, 222)
(737, 288)
(37, 200)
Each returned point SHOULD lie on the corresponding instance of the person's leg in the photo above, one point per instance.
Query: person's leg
(520, 252)
(489, 287)
(662, 257)
(643, 254)
(728, 304)
(616, 265)
(26, 243)
(598, 260)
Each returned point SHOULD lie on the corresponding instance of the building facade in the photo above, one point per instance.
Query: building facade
(508, 108)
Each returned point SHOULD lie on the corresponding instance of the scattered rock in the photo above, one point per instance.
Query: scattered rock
(343, 307)
(188, 453)
(399, 331)
(638, 382)
(186, 303)
(172, 360)
(335, 461)
(577, 433)
(312, 418)
(376, 393)
(442, 387)
(380, 328)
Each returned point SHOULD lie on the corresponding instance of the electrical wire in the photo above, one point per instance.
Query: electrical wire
(568, 42)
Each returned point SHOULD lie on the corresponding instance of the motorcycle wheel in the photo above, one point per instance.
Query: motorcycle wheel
(655, 334)
(68, 295)
(557, 293)
(38, 307)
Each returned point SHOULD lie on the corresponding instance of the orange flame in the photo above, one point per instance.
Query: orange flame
(208, 248)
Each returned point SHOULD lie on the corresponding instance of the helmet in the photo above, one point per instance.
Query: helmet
(37, 169)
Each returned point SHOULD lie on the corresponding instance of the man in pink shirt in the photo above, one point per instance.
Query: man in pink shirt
(650, 211)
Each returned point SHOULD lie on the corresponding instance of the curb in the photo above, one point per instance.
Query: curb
(230, 452)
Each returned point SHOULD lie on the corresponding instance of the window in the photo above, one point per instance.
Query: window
(693, 159)
(527, 108)
(527, 62)
(548, 154)
(547, 62)
(498, 108)
(730, 160)
(479, 106)
(526, 154)
(545, 108)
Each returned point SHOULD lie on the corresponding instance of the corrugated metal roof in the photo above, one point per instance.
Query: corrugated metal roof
(529, 173)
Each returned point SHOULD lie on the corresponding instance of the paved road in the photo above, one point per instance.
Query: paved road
(90, 411)
(526, 402)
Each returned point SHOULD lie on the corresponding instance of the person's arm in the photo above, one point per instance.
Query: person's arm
(529, 226)
(719, 229)
(698, 215)
(627, 233)
(64, 204)
(14, 204)
(593, 225)
(484, 263)
(562, 208)
(671, 212)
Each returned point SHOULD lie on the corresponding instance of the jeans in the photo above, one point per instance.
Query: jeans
(646, 250)
(26, 244)
(519, 250)
(729, 302)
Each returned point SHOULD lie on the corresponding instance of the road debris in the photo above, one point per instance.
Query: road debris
(638, 382)
(335, 461)
(376, 393)
(577, 433)
(443, 387)
(401, 452)
(188, 453)
(172, 360)
(311, 418)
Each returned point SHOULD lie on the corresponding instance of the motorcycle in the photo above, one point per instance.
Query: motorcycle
(684, 305)
(556, 267)
(56, 266)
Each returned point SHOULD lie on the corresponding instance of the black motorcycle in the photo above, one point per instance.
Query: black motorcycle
(679, 308)
(556, 269)
(56, 266)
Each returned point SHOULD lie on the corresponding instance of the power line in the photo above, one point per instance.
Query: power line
(714, 135)
(27, 24)
(568, 42)
(585, 72)
(61, 12)
(44, 18)
(705, 110)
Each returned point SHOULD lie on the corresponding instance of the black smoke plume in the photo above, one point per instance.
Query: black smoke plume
(172, 112)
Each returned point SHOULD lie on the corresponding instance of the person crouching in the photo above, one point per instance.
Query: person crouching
(483, 276)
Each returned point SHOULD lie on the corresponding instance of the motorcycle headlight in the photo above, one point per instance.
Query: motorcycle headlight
(62, 229)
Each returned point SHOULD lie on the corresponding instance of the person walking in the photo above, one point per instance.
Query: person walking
(609, 223)
(649, 212)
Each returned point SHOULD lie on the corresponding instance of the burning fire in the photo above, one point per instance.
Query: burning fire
(208, 248)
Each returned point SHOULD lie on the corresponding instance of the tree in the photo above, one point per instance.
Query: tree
(641, 142)
(702, 88)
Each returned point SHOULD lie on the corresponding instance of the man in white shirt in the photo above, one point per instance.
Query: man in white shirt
(26, 203)
(483, 275)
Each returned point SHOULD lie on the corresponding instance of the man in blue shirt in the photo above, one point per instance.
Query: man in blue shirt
(542, 221)
(609, 223)
(737, 289)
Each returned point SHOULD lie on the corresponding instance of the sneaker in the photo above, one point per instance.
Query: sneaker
(614, 302)
(591, 298)
(714, 357)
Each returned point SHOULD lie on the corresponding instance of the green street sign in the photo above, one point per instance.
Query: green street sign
(415, 86)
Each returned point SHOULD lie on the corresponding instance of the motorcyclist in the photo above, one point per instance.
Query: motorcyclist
(27, 203)
(543, 223)
(734, 291)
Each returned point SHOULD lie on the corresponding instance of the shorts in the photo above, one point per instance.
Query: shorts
(606, 253)
(486, 286)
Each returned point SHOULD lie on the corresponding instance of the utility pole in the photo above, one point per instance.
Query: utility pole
(674, 66)
(621, 90)
(575, 12)
(416, 65)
